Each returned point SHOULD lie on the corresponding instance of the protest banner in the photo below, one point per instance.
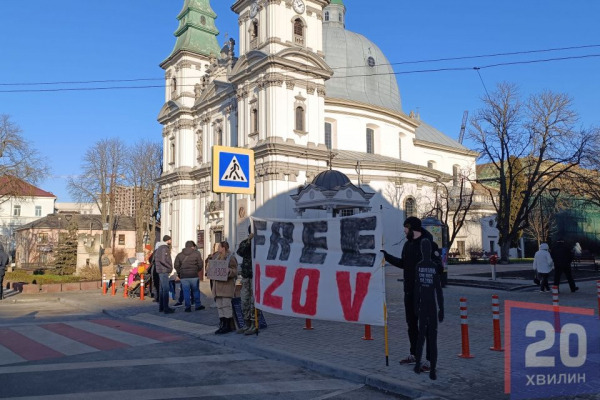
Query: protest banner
(218, 270)
(328, 269)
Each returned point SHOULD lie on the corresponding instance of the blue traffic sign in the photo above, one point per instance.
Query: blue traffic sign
(233, 170)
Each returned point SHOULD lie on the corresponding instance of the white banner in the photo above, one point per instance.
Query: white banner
(329, 269)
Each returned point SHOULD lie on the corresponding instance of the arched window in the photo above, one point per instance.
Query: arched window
(172, 153)
(174, 84)
(410, 207)
(255, 29)
(300, 119)
(455, 175)
(254, 121)
(326, 15)
(299, 32)
(219, 136)
(328, 142)
(370, 141)
(400, 148)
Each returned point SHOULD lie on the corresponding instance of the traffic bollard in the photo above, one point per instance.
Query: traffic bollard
(104, 284)
(556, 307)
(367, 333)
(496, 322)
(114, 285)
(464, 329)
(125, 288)
(142, 288)
(308, 325)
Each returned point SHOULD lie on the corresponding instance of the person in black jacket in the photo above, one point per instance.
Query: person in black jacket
(411, 256)
(3, 264)
(164, 267)
(563, 257)
(189, 265)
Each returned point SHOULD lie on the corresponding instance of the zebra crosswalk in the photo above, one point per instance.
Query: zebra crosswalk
(22, 343)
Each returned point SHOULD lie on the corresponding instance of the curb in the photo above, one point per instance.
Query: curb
(350, 374)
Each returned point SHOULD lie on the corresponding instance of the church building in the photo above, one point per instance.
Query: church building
(308, 96)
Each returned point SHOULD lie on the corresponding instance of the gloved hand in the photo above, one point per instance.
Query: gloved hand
(441, 316)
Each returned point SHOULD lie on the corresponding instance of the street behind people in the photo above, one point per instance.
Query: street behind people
(164, 268)
(245, 251)
(562, 256)
(3, 266)
(543, 264)
(223, 291)
(411, 255)
(188, 265)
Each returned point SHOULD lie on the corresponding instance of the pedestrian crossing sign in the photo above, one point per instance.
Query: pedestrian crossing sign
(233, 170)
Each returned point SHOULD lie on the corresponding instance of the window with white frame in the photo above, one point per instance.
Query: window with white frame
(172, 152)
(326, 15)
(38, 211)
(455, 175)
(299, 33)
(410, 207)
(347, 212)
(300, 119)
(17, 211)
(370, 141)
(254, 121)
(328, 141)
(400, 148)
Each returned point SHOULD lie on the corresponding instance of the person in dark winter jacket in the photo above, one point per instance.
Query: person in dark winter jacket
(189, 265)
(411, 256)
(3, 265)
(429, 307)
(563, 257)
(164, 267)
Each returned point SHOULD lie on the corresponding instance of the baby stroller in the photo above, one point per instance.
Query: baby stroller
(134, 280)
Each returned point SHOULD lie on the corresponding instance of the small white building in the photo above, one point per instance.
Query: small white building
(77, 208)
(21, 204)
(306, 95)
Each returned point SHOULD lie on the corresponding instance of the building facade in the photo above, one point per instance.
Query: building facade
(307, 95)
(24, 204)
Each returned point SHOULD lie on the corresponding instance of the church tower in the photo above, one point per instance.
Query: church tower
(195, 47)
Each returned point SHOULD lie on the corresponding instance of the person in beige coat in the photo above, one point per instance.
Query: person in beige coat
(224, 291)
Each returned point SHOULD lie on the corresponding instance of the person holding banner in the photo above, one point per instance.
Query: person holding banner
(245, 251)
(223, 291)
(411, 256)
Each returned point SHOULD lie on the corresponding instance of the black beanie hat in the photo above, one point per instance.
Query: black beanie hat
(413, 223)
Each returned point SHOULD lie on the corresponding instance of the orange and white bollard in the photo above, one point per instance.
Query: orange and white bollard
(464, 329)
(556, 306)
(104, 284)
(496, 321)
(142, 288)
(308, 325)
(114, 285)
(367, 333)
(598, 289)
(125, 288)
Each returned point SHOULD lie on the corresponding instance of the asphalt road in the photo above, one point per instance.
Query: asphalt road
(50, 350)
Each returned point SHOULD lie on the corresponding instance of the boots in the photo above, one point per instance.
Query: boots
(251, 329)
(244, 328)
(226, 326)
(221, 325)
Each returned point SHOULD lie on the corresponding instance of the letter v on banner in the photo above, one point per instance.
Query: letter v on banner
(352, 306)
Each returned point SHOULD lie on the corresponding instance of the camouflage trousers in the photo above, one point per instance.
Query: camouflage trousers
(247, 299)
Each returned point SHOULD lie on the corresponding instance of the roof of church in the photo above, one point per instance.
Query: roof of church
(428, 133)
(361, 70)
(330, 180)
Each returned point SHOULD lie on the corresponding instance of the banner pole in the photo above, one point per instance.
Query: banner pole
(256, 319)
(385, 318)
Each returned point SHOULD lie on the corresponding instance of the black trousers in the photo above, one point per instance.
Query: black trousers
(428, 326)
(562, 269)
(412, 320)
(1, 286)
(544, 282)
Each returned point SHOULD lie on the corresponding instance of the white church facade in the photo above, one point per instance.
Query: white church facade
(307, 96)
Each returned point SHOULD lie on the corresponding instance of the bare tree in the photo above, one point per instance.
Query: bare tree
(451, 203)
(20, 163)
(144, 167)
(527, 144)
(102, 171)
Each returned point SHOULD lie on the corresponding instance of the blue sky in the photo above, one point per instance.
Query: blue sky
(70, 40)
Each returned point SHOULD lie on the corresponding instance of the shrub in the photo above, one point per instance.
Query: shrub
(90, 273)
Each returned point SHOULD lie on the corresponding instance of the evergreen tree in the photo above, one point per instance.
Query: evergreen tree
(65, 258)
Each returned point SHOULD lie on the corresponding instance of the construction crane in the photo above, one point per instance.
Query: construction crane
(461, 136)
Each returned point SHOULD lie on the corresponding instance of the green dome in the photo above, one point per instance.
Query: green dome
(340, 2)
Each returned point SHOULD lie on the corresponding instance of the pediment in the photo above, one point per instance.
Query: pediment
(305, 57)
(215, 88)
(248, 60)
(170, 108)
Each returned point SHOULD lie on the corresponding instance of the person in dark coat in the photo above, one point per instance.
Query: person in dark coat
(3, 265)
(563, 257)
(411, 256)
(164, 267)
(189, 265)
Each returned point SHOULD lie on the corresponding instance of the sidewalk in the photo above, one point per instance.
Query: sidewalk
(337, 349)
